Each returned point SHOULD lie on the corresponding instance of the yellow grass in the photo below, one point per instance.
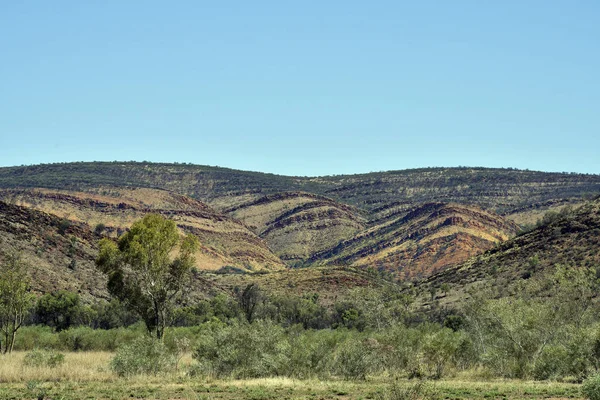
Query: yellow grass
(87, 375)
(79, 367)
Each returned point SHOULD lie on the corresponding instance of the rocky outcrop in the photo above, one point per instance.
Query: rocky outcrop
(297, 225)
(421, 241)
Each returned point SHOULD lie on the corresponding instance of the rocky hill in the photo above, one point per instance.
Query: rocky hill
(62, 257)
(297, 225)
(570, 238)
(421, 241)
(406, 224)
(224, 241)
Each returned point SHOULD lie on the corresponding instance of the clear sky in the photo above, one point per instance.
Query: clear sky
(303, 87)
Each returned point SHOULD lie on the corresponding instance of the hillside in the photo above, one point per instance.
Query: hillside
(407, 224)
(504, 191)
(223, 241)
(422, 241)
(298, 225)
(571, 239)
(61, 257)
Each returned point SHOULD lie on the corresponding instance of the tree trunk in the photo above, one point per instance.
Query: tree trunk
(6, 342)
(12, 340)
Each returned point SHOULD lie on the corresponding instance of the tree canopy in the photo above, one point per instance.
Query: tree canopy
(148, 268)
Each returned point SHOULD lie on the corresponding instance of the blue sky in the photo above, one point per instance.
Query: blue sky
(302, 88)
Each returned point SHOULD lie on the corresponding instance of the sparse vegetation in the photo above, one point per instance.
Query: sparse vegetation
(519, 311)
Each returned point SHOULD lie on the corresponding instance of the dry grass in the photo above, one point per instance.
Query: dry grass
(78, 367)
(86, 375)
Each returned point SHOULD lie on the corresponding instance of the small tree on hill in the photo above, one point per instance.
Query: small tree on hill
(15, 299)
(141, 271)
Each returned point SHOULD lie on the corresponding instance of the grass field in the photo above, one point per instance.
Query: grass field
(86, 375)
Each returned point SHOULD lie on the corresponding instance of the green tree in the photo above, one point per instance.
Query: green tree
(141, 271)
(60, 309)
(15, 299)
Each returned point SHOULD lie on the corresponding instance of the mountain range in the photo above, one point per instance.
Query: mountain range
(430, 225)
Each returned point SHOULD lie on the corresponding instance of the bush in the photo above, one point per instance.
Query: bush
(144, 355)
(88, 339)
(311, 352)
(591, 388)
(354, 359)
(243, 350)
(31, 337)
(439, 350)
(419, 390)
(43, 358)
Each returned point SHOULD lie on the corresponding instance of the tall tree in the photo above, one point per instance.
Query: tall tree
(15, 299)
(141, 271)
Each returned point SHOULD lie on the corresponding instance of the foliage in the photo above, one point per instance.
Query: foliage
(63, 226)
(532, 336)
(110, 314)
(373, 308)
(75, 339)
(292, 310)
(591, 387)
(15, 299)
(145, 355)
(61, 310)
(243, 350)
(43, 358)
(99, 228)
(141, 272)
(354, 359)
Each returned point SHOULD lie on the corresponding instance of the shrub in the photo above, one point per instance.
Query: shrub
(243, 350)
(439, 350)
(419, 390)
(88, 339)
(36, 336)
(99, 228)
(551, 363)
(144, 355)
(311, 352)
(43, 358)
(354, 359)
(591, 388)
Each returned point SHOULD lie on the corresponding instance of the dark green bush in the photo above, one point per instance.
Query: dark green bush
(416, 391)
(31, 337)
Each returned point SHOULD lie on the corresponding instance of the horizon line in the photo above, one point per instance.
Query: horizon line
(184, 163)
